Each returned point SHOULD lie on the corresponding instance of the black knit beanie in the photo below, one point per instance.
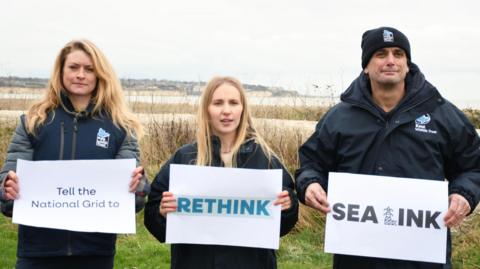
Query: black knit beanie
(383, 37)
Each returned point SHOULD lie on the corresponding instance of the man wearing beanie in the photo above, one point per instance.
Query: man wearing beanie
(375, 130)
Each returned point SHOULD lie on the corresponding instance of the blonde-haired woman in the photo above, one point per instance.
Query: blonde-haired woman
(225, 137)
(84, 100)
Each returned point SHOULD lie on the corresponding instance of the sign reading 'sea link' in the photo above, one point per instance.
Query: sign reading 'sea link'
(387, 217)
(406, 217)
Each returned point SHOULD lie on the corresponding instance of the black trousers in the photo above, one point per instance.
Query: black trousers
(70, 262)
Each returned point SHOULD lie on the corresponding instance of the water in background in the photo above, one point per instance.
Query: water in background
(254, 100)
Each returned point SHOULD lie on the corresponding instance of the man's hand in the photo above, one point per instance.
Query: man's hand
(316, 197)
(457, 211)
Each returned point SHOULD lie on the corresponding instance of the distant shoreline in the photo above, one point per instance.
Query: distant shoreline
(179, 97)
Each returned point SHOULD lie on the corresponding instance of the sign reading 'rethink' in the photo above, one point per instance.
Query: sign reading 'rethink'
(387, 217)
(224, 206)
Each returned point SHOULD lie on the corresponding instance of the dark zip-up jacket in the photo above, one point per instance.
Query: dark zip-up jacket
(215, 256)
(67, 135)
(425, 137)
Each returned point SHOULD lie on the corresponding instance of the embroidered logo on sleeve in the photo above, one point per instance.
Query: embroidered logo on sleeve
(102, 138)
(421, 124)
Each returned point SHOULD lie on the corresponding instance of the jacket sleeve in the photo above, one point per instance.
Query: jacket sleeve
(156, 224)
(462, 168)
(130, 150)
(20, 148)
(317, 158)
(288, 217)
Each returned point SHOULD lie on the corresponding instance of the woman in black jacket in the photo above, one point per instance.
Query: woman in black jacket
(83, 98)
(225, 138)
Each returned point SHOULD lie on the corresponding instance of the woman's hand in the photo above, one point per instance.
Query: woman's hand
(136, 176)
(168, 203)
(11, 186)
(283, 199)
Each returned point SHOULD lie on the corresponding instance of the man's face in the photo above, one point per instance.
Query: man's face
(387, 67)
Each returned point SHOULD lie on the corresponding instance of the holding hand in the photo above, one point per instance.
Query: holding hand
(316, 197)
(11, 186)
(283, 199)
(136, 176)
(457, 211)
(168, 203)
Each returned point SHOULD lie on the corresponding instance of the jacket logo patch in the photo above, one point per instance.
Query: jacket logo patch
(102, 138)
(421, 124)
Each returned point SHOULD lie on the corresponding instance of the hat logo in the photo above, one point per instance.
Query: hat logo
(387, 36)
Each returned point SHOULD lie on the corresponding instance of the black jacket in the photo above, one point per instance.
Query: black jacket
(215, 256)
(67, 135)
(425, 136)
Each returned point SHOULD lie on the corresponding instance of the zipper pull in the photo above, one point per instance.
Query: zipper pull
(75, 121)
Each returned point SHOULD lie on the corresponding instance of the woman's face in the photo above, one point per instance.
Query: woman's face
(225, 111)
(79, 77)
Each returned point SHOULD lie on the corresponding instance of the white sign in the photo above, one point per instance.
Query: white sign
(387, 217)
(80, 195)
(225, 206)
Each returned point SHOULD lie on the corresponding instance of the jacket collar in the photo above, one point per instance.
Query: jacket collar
(418, 90)
(247, 147)
(69, 108)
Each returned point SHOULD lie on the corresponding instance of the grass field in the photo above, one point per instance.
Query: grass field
(302, 248)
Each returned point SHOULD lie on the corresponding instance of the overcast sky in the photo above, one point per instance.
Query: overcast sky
(288, 43)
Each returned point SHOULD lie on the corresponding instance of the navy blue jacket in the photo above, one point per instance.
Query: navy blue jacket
(67, 135)
(425, 136)
(215, 256)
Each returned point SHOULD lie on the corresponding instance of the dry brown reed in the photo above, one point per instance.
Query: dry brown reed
(162, 139)
(15, 104)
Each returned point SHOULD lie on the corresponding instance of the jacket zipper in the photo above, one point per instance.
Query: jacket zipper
(74, 138)
(416, 104)
(69, 240)
(74, 146)
(362, 106)
(62, 140)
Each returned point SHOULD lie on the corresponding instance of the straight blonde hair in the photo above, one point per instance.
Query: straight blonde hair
(245, 130)
(107, 98)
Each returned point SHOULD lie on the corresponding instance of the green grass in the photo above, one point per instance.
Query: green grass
(299, 249)
(302, 248)
(8, 243)
(141, 250)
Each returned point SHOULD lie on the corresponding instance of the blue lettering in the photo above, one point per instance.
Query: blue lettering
(235, 206)
(245, 206)
(261, 207)
(197, 205)
(183, 205)
(210, 204)
(227, 206)
(221, 206)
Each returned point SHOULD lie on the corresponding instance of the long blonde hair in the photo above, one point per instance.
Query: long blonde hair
(245, 130)
(108, 95)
